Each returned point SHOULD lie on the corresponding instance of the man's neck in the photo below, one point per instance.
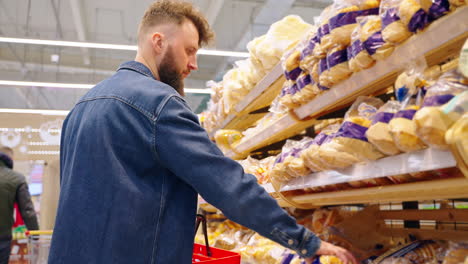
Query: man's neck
(153, 69)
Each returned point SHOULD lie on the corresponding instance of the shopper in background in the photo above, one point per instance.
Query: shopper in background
(134, 157)
(13, 188)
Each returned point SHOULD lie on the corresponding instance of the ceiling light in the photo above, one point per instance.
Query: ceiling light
(82, 86)
(35, 111)
(111, 46)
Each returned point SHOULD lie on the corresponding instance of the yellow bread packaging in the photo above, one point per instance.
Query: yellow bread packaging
(349, 145)
(403, 130)
(371, 38)
(379, 131)
(432, 121)
(358, 57)
(310, 155)
(393, 29)
(307, 89)
(338, 67)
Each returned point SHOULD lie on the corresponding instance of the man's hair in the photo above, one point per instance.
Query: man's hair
(176, 11)
(6, 150)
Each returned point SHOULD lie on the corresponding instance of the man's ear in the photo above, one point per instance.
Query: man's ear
(157, 41)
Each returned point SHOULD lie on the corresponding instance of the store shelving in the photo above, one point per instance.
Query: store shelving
(423, 160)
(259, 97)
(440, 41)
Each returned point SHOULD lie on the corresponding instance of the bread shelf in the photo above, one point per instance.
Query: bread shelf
(259, 97)
(282, 128)
(441, 40)
(416, 191)
(423, 160)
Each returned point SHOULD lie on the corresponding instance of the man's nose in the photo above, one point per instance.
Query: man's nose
(192, 65)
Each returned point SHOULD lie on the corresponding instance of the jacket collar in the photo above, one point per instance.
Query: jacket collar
(5, 160)
(136, 66)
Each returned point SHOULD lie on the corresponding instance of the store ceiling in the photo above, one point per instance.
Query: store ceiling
(115, 21)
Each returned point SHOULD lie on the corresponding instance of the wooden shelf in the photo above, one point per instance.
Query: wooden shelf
(282, 128)
(259, 97)
(416, 191)
(441, 40)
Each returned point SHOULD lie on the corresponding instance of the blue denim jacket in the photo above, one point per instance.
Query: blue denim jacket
(133, 158)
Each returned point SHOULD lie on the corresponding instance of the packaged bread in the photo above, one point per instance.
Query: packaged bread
(457, 253)
(413, 15)
(338, 68)
(379, 131)
(315, 74)
(278, 171)
(307, 58)
(225, 138)
(307, 89)
(417, 252)
(323, 33)
(457, 3)
(358, 57)
(287, 93)
(310, 154)
(349, 144)
(295, 166)
(291, 65)
(403, 128)
(324, 73)
(371, 38)
(343, 21)
(393, 29)
(435, 8)
(431, 122)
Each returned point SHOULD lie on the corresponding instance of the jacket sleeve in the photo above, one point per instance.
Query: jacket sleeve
(184, 147)
(26, 207)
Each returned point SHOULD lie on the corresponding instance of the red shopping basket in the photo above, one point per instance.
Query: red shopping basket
(205, 254)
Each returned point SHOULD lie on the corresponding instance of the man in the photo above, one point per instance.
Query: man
(134, 157)
(13, 188)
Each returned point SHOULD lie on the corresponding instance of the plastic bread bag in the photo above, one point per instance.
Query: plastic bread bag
(417, 252)
(315, 74)
(310, 154)
(307, 89)
(225, 138)
(343, 21)
(358, 57)
(435, 8)
(413, 15)
(290, 63)
(372, 40)
(234, 89)
(349, 145)
(279, 37)
(457, 253)
(307, 58)
(402, 126)
(295, 164)
(379, 131)
(287, 93)
(338, 67)
(393, 29)
(323, 33)
(217, 88)
(324, 75)
(278, 170)
(431, 122)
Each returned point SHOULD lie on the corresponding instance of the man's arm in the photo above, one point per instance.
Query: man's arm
(183, 146)
(26, 207)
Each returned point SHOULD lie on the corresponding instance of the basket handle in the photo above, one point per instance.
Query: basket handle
(202, 219)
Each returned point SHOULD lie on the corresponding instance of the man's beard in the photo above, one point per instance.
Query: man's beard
(168, 73)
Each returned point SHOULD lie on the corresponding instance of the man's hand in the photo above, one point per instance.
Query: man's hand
(329, 249)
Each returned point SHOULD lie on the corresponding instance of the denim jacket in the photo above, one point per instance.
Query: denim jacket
(133, 159)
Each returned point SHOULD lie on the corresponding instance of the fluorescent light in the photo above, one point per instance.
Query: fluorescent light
(35, 111)
(46, 84)
(82, 86)
(43, 152)
(224, 53)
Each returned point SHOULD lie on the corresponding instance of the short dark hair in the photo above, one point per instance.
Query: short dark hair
(7, 150)
(178, 12)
